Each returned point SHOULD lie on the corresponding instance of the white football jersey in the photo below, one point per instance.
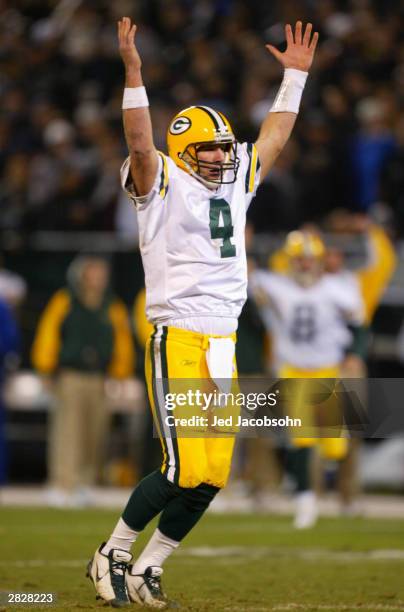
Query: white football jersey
(192, 240)
(309, 325)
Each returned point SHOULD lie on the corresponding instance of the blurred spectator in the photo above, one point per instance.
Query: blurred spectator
(279, 195)
(9, 347)
(61, 180)
(150, 455)
(371, 147)
(374, 274)
(392, 184)
(258, 464)
(13, 287)
(83, 335)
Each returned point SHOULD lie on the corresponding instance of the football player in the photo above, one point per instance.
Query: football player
(191, 209)
(315, 320)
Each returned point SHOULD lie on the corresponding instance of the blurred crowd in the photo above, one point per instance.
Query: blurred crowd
(61, 140)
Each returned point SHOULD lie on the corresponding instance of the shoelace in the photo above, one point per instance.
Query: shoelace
(118, 570)
(154, 584)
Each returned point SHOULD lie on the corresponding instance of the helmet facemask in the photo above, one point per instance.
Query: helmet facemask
(212, 174)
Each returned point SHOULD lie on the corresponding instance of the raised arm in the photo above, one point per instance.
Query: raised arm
(277, 126)
(136, 116)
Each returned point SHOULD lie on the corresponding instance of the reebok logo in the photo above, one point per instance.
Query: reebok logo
(188, 362)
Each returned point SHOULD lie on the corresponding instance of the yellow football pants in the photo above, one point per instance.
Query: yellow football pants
(173, 354)
(330, 448)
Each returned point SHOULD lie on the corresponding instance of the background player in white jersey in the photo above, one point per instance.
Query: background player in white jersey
(191, 212)
(313, 319)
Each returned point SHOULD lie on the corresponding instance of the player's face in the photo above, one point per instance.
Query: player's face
(96, 275)
(213, 154)
(306, 270)
(306, 264)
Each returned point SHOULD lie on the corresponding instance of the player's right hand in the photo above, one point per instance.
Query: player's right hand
(127, 48)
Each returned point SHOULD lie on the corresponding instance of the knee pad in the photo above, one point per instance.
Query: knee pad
(199, 498)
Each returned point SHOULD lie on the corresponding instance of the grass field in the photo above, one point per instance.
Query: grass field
(230, 563)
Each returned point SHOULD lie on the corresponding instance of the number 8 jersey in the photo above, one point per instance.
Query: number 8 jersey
(192, 240)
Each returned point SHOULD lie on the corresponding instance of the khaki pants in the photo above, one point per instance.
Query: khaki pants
(78, 428)
(262, 470)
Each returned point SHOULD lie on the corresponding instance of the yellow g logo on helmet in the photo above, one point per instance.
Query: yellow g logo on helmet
(180, 125)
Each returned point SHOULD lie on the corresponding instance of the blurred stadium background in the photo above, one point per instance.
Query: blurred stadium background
(62, 146)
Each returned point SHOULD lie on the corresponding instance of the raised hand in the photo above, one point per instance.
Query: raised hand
(127, 49)
(300, 48)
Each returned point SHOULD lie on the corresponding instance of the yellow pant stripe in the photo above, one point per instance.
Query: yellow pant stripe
(150, 371)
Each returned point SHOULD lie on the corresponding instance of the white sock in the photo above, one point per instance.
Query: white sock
(156, 552)
(122, 537)
(306, 497)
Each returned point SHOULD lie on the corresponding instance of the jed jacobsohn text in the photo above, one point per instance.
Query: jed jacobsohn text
(204, 400)
(237, 421)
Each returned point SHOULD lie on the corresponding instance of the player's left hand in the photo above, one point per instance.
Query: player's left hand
(300, 47)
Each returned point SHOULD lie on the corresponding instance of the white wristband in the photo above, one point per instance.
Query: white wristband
(134, 97)
(290, 92)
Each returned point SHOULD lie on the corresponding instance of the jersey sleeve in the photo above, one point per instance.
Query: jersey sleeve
(48, 338)
(250, 169)
(160, 185)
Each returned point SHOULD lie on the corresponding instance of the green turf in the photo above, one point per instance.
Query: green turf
(240, 563)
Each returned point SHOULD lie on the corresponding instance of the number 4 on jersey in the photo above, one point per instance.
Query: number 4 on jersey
(225, 231)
